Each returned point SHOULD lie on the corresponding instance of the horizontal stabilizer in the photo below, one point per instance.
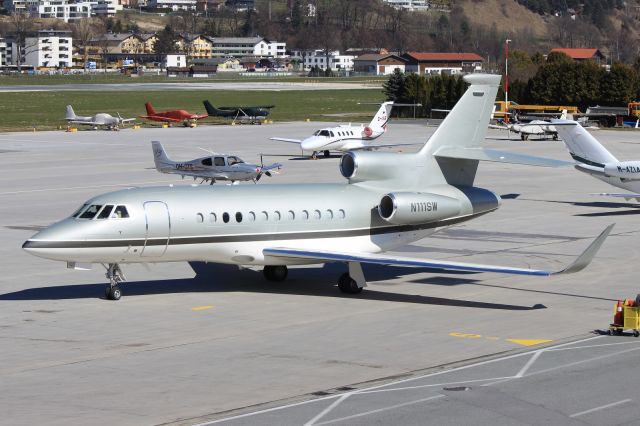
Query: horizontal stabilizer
(483, 154)
(330, 256)
(286, 140)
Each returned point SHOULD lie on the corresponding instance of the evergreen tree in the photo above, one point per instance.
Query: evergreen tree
(166, 42)
(394, 88)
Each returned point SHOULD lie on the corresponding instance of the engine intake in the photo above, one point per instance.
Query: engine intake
(361, 166)
(412, 208)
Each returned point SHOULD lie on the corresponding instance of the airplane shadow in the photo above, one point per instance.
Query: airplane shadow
(634, 207)
(212, 278)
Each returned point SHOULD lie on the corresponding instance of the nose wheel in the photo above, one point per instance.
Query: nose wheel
(115, 276)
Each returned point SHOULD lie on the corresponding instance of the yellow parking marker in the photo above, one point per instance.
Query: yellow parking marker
(201, 308)
(528, 342)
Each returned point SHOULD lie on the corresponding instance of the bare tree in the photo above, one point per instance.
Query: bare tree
(82, 35)
(22, 24)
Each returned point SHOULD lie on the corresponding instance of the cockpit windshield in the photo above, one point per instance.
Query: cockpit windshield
(322, 133)
(96, 211)
(234, 160)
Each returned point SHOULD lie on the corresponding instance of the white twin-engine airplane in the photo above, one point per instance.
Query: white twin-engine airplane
(389, 200)
(346, 137)
(594, 159)
(97, 120)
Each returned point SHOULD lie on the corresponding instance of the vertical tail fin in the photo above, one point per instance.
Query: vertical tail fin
(71, 115)
(582, 146)
(150, 110)
(160, 158)
(211, 110)
(382, 116)
(467, 124)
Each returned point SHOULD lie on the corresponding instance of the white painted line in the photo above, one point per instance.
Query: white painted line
(379, 410)
(433, 385)
(593, 410)
(327, 410)
(73, 188)
(529, 363)
(592, 346)
(410, 379)
(571, 364)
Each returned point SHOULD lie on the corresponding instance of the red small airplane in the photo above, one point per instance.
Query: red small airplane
(173, 116)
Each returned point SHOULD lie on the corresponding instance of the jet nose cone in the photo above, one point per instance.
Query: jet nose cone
(309, 144)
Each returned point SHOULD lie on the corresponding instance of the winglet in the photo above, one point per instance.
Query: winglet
(586, 257)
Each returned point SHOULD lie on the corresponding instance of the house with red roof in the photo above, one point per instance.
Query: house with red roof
(378, 64)
(442, 62)
(582, 54)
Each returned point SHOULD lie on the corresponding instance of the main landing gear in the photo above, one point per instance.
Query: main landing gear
(351, 282)
(326, 153)
(275, 272)
(115, 276)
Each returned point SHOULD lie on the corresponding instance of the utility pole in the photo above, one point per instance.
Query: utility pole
(506, 80)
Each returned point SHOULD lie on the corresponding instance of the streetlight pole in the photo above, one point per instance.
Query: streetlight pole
(506, 80)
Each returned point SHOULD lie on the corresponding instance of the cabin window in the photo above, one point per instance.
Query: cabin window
(106, 211)
(331, 133)
(238, 217)
(276, 216)
(212, 217)
(305, 215)
(77, 212)
(234, 160)
(317, 214)
(341, 214)
(218, 161)
(291, 215)
(264, 216)
(199, 217)
(207, 162)
(329, 214)
(120, 212)
(91, 211)
(251, 216)
(225, 217)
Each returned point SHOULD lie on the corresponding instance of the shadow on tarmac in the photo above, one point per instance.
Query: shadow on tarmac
(301, 281)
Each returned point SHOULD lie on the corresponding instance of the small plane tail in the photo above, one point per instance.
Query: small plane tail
(211, 110)
(582, 146)
(71, 115)
(150, 110)
(379, 122)
(160, 157)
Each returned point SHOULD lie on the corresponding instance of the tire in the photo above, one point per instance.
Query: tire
(348, 285)
(636, 333)
(275, 273)
(327, 153)
(115, 293)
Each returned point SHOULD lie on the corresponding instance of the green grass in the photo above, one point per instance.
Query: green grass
(46, 110)
(43, 79)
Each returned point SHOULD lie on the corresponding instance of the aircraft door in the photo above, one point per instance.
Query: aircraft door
(158, 229)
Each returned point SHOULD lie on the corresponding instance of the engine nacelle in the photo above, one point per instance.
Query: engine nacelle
(361, 166)
(624, 169)
(413, 208)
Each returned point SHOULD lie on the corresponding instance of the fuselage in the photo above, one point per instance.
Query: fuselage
(233, 224)
(341, 138)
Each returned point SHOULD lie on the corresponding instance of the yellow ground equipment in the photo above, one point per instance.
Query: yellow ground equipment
(626, 317)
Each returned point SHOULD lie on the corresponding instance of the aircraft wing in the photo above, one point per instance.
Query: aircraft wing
(497, 126)
(161, 118)
(88, 123)
(382, 145)
(484, 154)
(126, 120)
(298, 141)
(199, 117)
(578, 264)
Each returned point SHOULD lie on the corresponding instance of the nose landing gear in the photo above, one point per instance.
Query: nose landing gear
(115, 276)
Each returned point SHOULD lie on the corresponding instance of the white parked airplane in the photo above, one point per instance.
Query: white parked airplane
(388, 201)
(540, 128)
(594, 159)
(346, 137)
(97, 120)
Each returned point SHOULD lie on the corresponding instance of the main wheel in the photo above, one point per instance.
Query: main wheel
(114, 293)
(636, 333)
(275, 272)
(314, 155)
(327, 154)
(348, 285)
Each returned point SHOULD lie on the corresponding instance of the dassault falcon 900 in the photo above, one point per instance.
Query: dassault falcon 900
(389, 200)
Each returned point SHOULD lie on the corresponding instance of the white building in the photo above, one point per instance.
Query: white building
(106, 8)
(174, 5)
(318, 57)
(409, 4)
(247, 46)
(20, 5)
(49, 48)
(176, 61)
(63, 9)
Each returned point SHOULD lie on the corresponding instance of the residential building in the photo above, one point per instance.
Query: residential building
(174, 5)
(247, 46)
(377, 64)
(106, 8)
(176, 60)
(442, 62)
(4, 56)
(228, 64)
(583, 54)
(63, 9)
(195, 46)
(20, 5)
(241, 5)
(49, 48)
(318, 57)
(409, 4)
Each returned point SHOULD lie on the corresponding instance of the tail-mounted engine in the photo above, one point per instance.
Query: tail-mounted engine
(361, 166)
(412, 208)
